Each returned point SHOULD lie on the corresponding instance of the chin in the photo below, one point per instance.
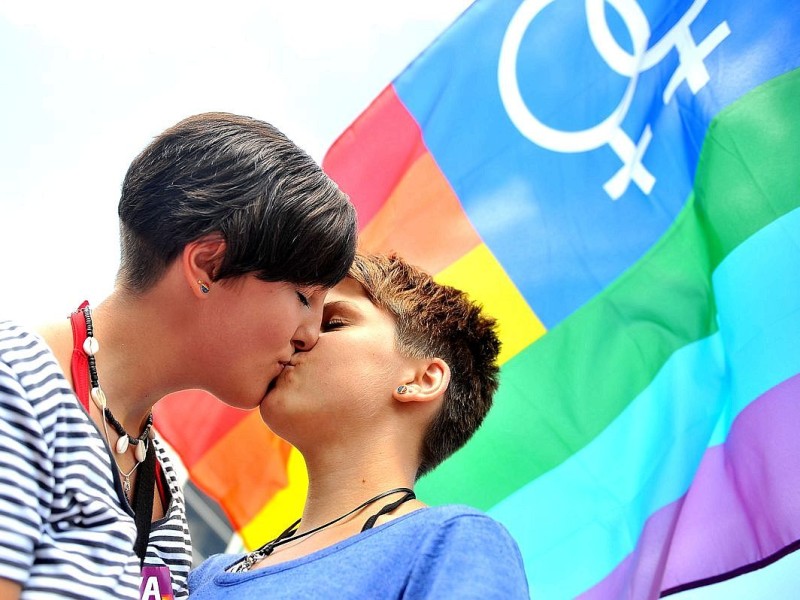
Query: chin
(275, 415)
(241, 399)
(268, 416)
(267, 406)
(239, 404)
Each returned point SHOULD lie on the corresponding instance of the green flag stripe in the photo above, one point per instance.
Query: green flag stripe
(564, 389)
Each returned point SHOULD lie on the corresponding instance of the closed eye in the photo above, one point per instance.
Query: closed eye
(303, 299)
(332, 324)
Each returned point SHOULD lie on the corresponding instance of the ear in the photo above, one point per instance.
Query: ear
(430, 382)
(200, 262)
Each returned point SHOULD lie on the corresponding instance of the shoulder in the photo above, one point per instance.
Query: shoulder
(15, 337)
(454, 511)
(466, 550)
(32, 387)
(19, 347)
(460, 521)
(10, 330)
(459, 517)
(462, 533)
(216, 563)
(449, 520)
(27, 363)
(210, 568)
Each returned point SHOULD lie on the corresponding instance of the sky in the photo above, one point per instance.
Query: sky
(87, 85)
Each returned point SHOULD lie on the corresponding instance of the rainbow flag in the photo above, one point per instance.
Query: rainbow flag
(619, 184)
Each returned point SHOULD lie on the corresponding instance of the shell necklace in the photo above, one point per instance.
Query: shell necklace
(125, 441)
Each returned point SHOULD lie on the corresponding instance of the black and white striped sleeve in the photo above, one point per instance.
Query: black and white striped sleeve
(25, 477)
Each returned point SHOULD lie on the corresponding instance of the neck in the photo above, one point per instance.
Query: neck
(133, 358)
(337, 486)
(145, 349)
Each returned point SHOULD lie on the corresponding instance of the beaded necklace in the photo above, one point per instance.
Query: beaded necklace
(140, 442)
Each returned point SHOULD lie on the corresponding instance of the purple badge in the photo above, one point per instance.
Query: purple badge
(156, 584)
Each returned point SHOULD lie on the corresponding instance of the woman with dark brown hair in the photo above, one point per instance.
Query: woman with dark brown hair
(231, 236)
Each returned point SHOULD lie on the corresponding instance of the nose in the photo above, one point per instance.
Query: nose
(307, 334)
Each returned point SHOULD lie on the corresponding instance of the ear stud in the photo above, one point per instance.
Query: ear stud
(402, 389)
(203, 286)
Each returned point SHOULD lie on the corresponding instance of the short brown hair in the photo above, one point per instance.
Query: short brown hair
(437, 321)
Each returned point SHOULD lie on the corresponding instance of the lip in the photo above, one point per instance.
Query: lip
(292, 362)
(283, 365)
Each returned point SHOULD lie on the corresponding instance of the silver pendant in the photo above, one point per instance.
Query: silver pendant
(126, 485)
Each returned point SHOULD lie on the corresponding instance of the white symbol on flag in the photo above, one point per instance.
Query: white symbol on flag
(691, 68)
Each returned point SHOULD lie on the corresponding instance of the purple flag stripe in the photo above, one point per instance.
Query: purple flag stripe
(740, 510)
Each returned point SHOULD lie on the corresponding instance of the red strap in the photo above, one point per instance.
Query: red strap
(80, 363)
(80, 376)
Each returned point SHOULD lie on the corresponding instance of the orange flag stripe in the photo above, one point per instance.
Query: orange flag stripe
(179, 416)
(259, 467)
(422, 220)
(283, 509)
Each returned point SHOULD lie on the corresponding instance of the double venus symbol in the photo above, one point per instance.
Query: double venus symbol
(691, 69)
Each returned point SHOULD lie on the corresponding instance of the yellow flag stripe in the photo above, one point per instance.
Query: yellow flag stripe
(284, 508)
(482, 277)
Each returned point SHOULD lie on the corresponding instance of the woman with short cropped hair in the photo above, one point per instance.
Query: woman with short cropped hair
(231, 236)
(403, 374)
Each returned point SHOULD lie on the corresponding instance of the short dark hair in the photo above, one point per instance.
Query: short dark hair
(281, 216)
(438, 321)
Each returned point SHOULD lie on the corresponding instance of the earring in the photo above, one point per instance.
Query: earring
(402, 389)
(203, 286)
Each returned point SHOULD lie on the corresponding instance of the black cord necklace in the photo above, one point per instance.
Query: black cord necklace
(140, 442)
(287, 536)
(141, 498)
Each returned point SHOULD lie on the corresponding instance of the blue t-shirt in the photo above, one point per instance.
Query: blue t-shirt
(438, 552)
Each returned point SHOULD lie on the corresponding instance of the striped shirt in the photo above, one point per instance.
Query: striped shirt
(66, 529)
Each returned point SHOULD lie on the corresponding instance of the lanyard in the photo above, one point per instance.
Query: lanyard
(150, 471)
